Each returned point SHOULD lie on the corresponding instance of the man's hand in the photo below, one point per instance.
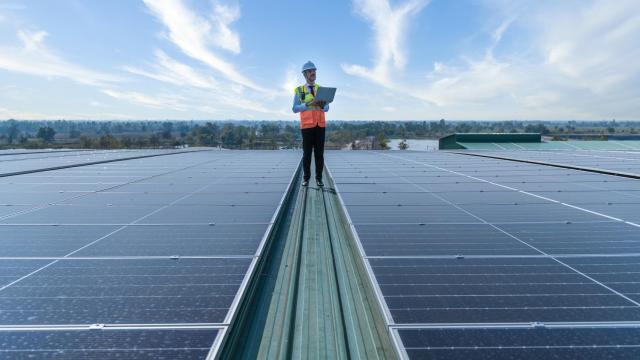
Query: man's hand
(316, 103)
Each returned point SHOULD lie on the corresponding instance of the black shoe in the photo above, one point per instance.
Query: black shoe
(319, 182)
(305, 183)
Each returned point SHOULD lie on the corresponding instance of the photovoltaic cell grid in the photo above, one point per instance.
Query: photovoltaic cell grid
(627, 162)
(478, 258)
(13, 163)
(123, 343)
(156, 251)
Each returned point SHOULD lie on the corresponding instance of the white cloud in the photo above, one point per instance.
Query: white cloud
(195, 35)
(478, 81)
(389, 25)
(169, 70)
(34, 58)
(289, 83)
(569, 60)
(199, 86)
(597, 46)
(165, 101)
(582, 64)
(6, 113)
(224, 37)
(192, 98)
(500, 30)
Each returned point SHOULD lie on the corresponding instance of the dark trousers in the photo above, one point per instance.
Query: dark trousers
(312, 140)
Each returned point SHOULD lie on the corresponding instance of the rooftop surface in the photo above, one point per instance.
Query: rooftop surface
(221, 254)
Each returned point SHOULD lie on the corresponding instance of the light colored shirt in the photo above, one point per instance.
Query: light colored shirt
(299, 106)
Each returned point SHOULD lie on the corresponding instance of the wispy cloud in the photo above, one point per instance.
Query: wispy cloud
(477, 81)
(35, 58)
(572, 60)
(500, 30)
(597, 46)
(6, 113)
(166, 101)
(169, 70)
(223, 36)
(582, 61)
(199, 85)
(196, 35)
(290, 82)
(389, 25)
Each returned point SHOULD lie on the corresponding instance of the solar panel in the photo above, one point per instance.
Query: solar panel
(92, 215)
(122, 291)
(589, 343)
(610, 237)
(108, 343)
(494, 290)
(617, 197)
(438, 239)
(13, 152)
(118, 198)
(626, 162)
(183, 240)
(211, 214)
(501, 281)
(48, 240)
(546, 212)
(12, 270)
(619, 273)
(128, 258)
(30, 162)
(410, 214)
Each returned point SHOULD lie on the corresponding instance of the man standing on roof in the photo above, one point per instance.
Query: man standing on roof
(312, 123)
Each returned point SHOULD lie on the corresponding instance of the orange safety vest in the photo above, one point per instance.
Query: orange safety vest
(314, 115)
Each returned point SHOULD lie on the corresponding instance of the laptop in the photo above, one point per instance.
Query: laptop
(325, 94)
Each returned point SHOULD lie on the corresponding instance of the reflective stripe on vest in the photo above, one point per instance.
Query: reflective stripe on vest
(314, 115)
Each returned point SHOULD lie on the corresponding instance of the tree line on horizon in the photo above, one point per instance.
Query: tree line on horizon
(272, 134)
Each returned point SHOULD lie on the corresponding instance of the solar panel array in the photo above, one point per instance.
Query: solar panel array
(564, 146)
(477, 258)
(627, 162)
(14, 161)
(11, 152)
(142, 258)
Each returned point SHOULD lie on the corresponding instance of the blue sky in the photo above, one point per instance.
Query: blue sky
(391, 60)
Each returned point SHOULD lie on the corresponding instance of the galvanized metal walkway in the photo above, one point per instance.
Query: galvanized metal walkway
(313, 299)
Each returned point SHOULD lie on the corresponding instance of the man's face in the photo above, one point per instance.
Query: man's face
(310, 76)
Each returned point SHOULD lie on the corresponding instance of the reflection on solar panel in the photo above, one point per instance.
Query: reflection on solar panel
(143, 258)
(623, 162)
(478, 258)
